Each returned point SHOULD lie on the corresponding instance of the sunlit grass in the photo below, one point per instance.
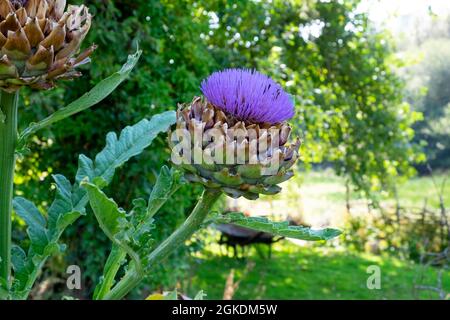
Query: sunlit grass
(308, 273)
(319, 198)
(416, 190)
(319, 272)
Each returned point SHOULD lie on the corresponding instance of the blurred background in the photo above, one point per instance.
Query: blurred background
(371, 85)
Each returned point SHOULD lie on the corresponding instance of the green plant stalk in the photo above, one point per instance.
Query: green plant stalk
(117, 255)
(112, 266)
(8, 140)
(192, 224)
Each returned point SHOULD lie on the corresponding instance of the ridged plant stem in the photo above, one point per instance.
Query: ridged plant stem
(192, 224)
(112, 266)
(8, 140)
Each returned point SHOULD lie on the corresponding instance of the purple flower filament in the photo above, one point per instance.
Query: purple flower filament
(248, 95)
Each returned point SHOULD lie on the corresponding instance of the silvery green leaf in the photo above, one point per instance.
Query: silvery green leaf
(112, 219)
(200, 295)
(108, 214)
(71, 200)
(282, 229)
(169, 180)
(62, 212)
(20, 264)
(36, 230)
(135, 240)
(103, 89)
(132, 141)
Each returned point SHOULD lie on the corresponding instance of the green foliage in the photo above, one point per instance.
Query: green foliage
(130, 234)
(70, 201)
(44, 234)
(68, 204)
(429, 93)
(36, 224)
(132, 141)
(408, 234)
(156, 85)
(103, 89)
(349, 100)
(169, 180)
(114, 223)
(44, 237)
(350, 108)
(282, 229)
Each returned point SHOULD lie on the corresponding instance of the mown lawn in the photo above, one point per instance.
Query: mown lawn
(297, 272)
(412, 192)
(315, 272)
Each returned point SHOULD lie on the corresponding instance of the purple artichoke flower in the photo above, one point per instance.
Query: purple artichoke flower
(248, 95)
(236, 138)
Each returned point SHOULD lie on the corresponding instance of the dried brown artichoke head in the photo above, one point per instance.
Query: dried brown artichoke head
(40, 41)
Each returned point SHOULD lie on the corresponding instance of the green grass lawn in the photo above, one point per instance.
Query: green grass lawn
(319, 198)
(297, 272)
(314, 272)
(415, 190)
(412, 192)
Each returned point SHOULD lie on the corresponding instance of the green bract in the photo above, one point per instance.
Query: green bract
(250, 171)
(44, 231)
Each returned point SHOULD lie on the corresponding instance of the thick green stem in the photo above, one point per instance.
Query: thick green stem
(8, 140)
(112, 266)
(183, 233)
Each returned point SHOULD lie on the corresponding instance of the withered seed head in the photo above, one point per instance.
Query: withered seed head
(39, 42)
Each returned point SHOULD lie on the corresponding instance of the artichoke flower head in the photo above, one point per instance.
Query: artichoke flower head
(235, 137)
(39, 41)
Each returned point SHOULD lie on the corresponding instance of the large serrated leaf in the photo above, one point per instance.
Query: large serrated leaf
(109, 216)
(103, 89)
(131, 142)
(167, 183)
(277, 228)
(61, 212)
(112, 220)
(37, 231)
(19, 264)
(28, 212)
(71, 200)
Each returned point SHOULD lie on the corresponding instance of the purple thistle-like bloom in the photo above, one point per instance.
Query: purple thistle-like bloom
(248, 95)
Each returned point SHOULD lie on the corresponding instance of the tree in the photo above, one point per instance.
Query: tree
(430, 94)
(350, 106)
